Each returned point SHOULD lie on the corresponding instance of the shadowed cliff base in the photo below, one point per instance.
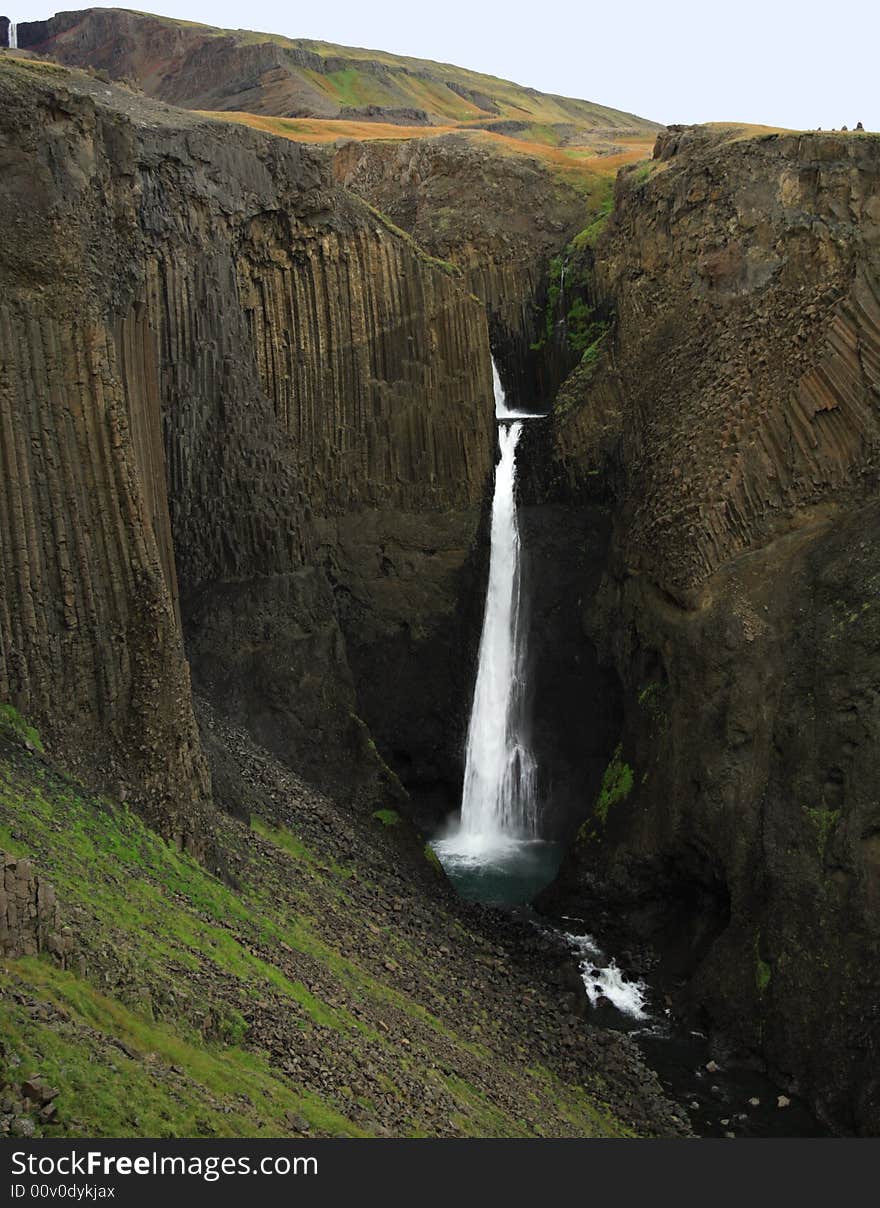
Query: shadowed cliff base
(731, 412)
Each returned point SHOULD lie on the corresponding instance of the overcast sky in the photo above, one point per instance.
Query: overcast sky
(779, 62)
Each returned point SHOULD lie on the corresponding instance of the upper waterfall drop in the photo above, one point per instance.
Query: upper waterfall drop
(501, 408)
(502, 411)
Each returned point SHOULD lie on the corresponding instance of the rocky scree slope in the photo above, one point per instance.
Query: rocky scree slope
(216, 366)
(735, 418)
(328, 985)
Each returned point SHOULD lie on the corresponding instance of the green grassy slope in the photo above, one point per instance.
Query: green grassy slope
(302, 994)
(155, 49)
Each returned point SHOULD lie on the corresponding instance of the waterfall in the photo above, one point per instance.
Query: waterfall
(502, 411)
(12, 36)
(499, 781)
(495, 854)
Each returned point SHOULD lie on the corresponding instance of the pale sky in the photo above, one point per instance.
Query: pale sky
(779, 62)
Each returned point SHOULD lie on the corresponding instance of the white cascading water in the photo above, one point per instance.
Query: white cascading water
(502, 411)
(12, 36)
(495, 854)
(498, 801)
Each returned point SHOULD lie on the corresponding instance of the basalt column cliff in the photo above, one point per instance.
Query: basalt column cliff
(735, 416)
(200, 306)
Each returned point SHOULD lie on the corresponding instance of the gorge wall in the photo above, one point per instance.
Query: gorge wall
(486, 183)
(734, 415)
(499, 217)
(201, 306)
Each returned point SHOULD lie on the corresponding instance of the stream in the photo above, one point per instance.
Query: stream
(721, 1099)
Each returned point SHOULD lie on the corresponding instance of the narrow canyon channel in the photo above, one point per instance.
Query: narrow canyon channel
(494, 853)
(439, 627)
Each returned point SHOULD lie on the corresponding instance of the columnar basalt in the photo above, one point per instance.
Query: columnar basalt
(445, 192)
(30, 917)
(89, 645)
(734, 415)
(207, 349)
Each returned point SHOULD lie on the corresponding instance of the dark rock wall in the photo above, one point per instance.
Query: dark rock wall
(735, 418)
(498, 217)
(89, 645)
(200, 306)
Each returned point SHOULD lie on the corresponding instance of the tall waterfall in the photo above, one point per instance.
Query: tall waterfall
(495, 854)
(12, 36)
(499, 781)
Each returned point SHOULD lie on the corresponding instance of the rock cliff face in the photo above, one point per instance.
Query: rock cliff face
(90, 647)
(498, 181)
(211, 357)
(29, 915)
(498, 217)
(736, 418)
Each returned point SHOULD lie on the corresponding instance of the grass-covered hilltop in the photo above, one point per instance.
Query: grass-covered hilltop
(202, 67)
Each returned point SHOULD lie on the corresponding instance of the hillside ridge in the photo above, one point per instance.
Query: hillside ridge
(205, 67)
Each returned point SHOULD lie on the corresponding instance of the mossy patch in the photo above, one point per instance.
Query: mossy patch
(432, 858)
(15, 726)
(824, 821)
(617, 785)
(573, 392)
(551, 304)
(387, 817)
(589, 236)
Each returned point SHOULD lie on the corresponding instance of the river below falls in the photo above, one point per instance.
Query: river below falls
(721, 1099)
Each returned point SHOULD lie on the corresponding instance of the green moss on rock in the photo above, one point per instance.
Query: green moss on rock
(431, 857)
(387, 817)
(617, 785)
(13, 725)
(824, 821)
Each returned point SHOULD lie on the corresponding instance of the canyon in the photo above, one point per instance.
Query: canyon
(247, 438)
